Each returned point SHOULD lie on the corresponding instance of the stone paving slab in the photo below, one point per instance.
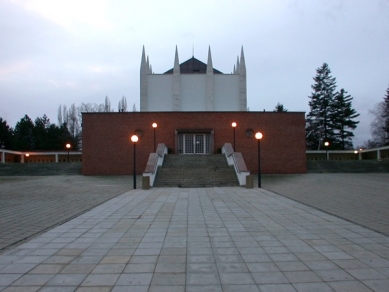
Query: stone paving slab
(362, 198)
(29, 205)
(211, 239)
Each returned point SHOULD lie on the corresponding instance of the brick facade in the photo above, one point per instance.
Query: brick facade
(108, 150)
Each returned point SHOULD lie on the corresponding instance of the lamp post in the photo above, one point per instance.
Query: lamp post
(233, 130)
(326, 144)
(68, 147)
(259, 136)
(134, 139)
(154, 125)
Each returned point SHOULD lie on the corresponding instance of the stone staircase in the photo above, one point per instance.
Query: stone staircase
(195, 171)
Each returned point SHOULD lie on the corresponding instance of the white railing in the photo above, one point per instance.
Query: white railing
(155, 160)
(236, 159)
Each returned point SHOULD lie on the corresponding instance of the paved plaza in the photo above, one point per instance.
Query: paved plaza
(362, 198)
(205, 239)
(30, 205)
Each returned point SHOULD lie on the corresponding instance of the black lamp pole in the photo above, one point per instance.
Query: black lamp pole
(134, 139)
(134, 174)
(68, 147)
(154, 125)
(259, 163)
(233, 131)
(259, 136)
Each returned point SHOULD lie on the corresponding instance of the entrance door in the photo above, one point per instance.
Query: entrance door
(199, 141)
(194, 143)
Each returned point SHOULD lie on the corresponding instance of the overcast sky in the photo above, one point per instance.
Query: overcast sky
(56, 52)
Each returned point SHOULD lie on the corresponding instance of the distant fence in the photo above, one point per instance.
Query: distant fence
(379, 153)
(10, 156)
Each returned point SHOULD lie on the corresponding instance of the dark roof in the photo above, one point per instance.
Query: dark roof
(193, 66)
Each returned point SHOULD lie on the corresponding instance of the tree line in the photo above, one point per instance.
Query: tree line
(29, 135)
(331, 119)
(41, 134)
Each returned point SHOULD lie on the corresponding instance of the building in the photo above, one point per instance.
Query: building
(193, 86)
(107, 148)
(194, 105)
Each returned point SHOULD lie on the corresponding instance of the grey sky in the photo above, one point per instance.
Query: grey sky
(73, 51)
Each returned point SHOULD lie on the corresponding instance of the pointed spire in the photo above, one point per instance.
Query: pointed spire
(234, 71)
(242, 68)
(148, 64)
(143, 62)
(176, 69)
(242, 83)
(176, 84)
(209, 63)
(143, 82)
(237, 65)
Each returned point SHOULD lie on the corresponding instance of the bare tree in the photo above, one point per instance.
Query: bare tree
(122, 106)
(74, 125)
(59, 115)
(92, 108)
(107, 105)
(65, 114)
(377, 125)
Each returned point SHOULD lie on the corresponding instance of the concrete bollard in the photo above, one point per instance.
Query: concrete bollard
(145, 182)
(249, 182)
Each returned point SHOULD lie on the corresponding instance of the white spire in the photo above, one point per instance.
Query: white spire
(143, 81)
(242, 81)
(176, 68)
(176, 84)
(210, 87)
(148, 65)
(242, 68)
(209, 63)
(143, 62)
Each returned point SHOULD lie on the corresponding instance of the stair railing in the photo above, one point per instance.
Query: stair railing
(155, 159)
(236, 159)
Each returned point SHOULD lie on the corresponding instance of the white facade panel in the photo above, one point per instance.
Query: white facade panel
(193, 86)
(160, 92)
(226, 92)
(193, 92)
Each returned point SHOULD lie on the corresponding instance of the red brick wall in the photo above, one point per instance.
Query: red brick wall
(108, 150)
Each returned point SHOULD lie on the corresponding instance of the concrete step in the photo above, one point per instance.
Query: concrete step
(191, 171)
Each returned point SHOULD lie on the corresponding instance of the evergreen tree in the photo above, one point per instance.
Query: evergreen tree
(6, 134)
(280, 108)
(319, 127)
(342, 116)
(40, 133)
(24, 134)
(385, 116)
